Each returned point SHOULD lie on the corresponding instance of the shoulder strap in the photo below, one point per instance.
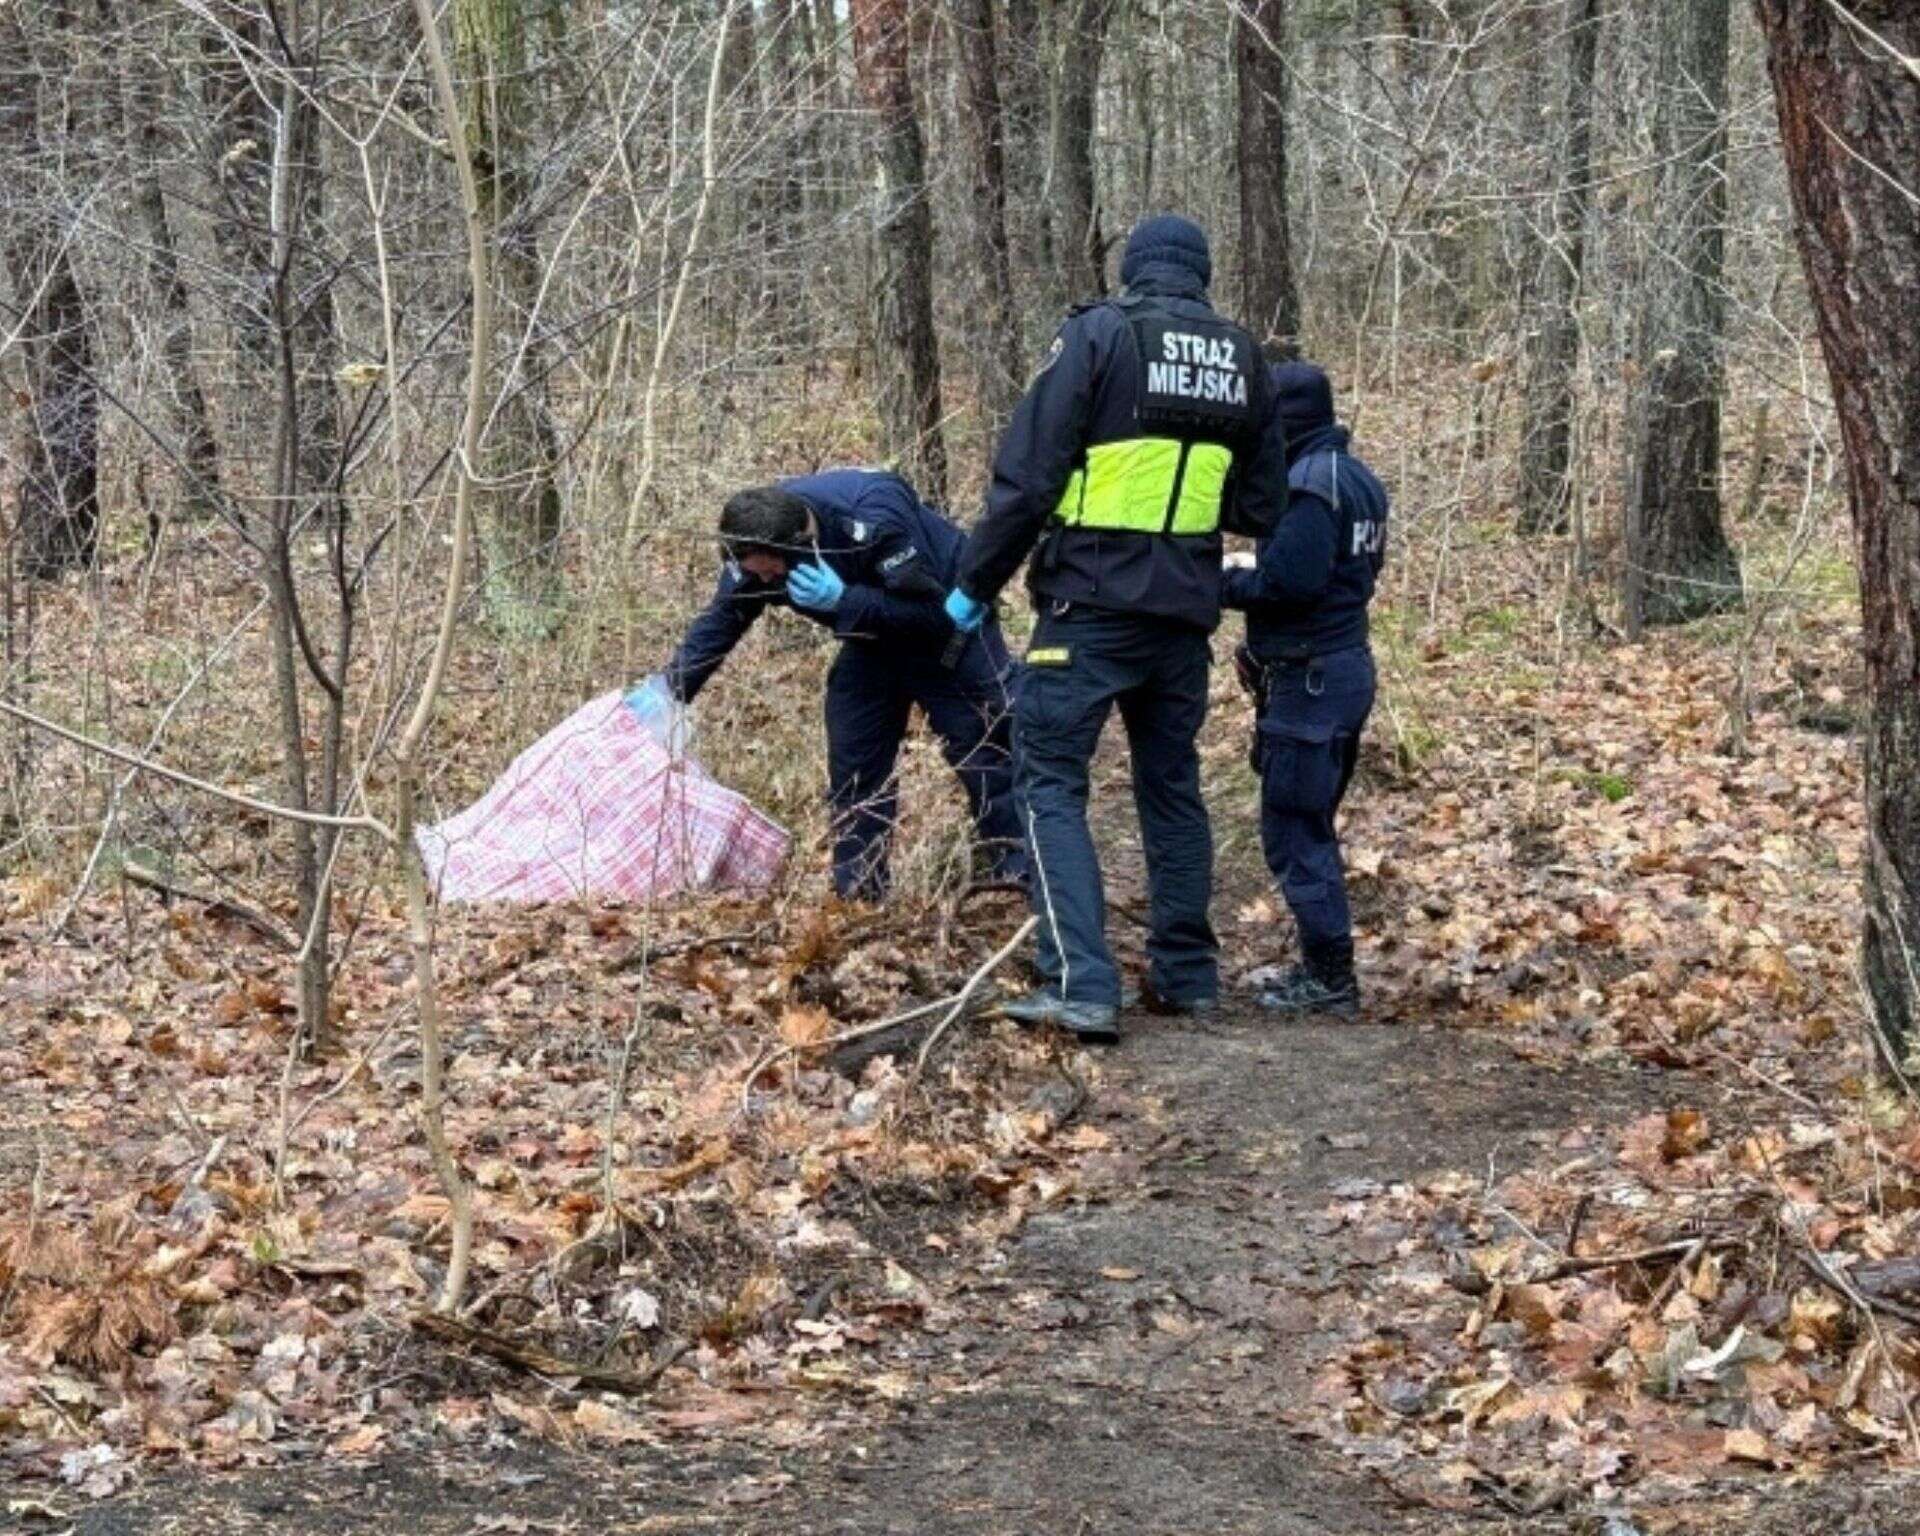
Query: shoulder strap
(1302, 477)
(1120, 301)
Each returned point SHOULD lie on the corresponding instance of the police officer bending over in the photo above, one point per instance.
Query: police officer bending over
(856, 551)
(1309, 665)
(1147, 430)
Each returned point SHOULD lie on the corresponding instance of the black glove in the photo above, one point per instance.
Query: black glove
(1253, 676)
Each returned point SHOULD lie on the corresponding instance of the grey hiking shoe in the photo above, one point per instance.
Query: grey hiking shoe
(1304, 991)
(1095, 1023)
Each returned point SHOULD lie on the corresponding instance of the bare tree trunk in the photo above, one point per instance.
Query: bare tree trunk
(271, 232)
(1078, 45)
(59, 508)
(1022, 59)
(1270, 301)
(259, 121)
(59, 488)
(786, 32)
(907, 367)
(521, 523)
(1680, 566)
(198, 452)
(306, 490)
(1850, 126)
(997, 353)
(407, 750)
(142, 86)
(1409, 55)
(1546, 449)
(742, 284)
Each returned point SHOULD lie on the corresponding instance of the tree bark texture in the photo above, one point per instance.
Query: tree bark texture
(59, 517)
(786, 30)
(1680, 566)
(907, 364)
(245, 108)
(742, 284)
(1553, 355)
(1078, 254)
(521, 523)
(1022, 58)
(1850, 125)
(1270, 300)
(997, 342)
(57, 526)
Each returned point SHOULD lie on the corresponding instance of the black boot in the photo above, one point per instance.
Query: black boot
(1156, 1002)
(1306, 989)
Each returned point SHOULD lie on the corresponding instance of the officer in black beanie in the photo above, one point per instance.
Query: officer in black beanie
(1147, 431)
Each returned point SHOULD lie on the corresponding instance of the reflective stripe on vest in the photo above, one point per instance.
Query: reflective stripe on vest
(1148, 485)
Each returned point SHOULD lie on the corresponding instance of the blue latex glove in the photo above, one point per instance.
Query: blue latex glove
(818, 587)
(967, 613)
(649, 698)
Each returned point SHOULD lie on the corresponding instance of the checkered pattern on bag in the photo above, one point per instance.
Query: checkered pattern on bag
(597, 807)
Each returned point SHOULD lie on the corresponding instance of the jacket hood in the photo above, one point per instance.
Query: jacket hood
(1164, 280)
(1304, 397)
(1167, 240)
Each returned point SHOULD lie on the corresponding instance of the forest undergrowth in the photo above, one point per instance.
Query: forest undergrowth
(212, 1248)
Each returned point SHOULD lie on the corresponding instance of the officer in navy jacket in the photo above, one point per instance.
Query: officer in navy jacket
(1145, 434)
(857, 552)
(1308, 661)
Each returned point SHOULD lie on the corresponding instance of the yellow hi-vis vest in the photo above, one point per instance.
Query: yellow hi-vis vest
(1194, 398)
(1148, 485)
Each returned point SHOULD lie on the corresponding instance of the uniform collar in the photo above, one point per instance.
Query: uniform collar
(1168, 280)
(1333, 435)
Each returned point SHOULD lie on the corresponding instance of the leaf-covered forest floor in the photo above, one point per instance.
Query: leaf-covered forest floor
(1599, 1220)
(1143, 1356)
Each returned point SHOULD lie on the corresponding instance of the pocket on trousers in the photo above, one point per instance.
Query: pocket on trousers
(1300, 765)
(1043, 701)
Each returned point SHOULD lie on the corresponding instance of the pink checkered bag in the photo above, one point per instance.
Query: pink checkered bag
(598, 807)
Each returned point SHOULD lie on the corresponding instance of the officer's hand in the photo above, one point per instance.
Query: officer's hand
(1239, 560)
(650, 697)
(967, 613)
(817, 587)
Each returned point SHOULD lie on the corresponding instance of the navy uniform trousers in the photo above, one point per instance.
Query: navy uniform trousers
(871, 690)
(1081, 664)
(1309, 740)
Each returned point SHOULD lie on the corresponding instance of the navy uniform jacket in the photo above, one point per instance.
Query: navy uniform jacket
(1085, 393)
(897, 557)
(1308, 594)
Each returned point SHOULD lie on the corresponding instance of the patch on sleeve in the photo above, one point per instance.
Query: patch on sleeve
(858, 531)
(1050, 656)
(1053, 355)
(893, 562)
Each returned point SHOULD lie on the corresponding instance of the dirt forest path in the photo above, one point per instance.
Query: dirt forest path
(1129, 1368)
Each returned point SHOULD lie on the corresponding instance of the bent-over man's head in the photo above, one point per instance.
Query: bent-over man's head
(766, 530)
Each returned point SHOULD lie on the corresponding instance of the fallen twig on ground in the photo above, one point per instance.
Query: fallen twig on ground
(1684, 1249)
(214, 902)
(642, 954)
(1832, 1278)
(954, 1003)
(1866, 1301)
(530, 1357)
(974, 982)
